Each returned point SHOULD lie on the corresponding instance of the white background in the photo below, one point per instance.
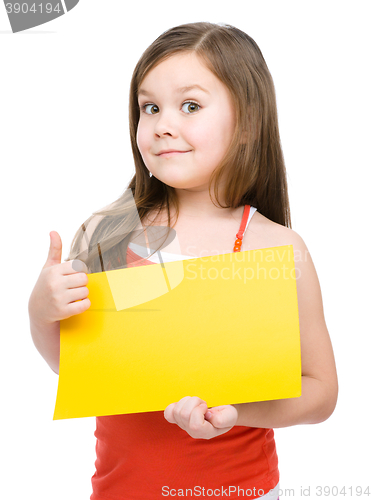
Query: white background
(65, 153)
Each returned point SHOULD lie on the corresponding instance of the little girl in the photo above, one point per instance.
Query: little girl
(209, 164)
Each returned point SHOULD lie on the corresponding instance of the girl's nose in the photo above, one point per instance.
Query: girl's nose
(165, 125)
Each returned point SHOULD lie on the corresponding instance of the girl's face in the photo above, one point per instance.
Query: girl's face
(187, 121)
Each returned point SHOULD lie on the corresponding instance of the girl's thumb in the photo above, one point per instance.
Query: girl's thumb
(55, 250)
(215, 418)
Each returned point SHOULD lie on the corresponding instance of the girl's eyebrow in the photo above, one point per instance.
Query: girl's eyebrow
(181, 90)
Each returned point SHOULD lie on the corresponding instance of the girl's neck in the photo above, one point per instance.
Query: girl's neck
(197, 204)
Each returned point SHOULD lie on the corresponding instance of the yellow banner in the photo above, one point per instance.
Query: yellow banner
(224, 328)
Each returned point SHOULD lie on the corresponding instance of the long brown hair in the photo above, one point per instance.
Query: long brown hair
(254, 164)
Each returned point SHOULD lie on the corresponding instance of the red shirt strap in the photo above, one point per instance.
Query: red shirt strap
(243, 223)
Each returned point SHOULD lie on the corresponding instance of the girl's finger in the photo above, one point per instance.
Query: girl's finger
(184, 408)
(225, 416)
(73, 266)
(197, 421)
(75, 280)
(77, 307)
(168, 413)
(74, 294)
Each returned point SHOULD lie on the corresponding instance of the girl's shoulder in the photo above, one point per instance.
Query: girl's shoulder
(264, 233)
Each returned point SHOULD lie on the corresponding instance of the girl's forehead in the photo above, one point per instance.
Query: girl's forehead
(179, 71)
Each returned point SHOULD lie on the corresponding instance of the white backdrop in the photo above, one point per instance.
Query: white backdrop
(65, 153)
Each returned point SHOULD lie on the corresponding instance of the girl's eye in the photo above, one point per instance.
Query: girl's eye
(190, 107)
(150, 109)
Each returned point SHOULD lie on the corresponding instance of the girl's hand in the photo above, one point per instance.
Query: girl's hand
(193, 416)
(58, 287)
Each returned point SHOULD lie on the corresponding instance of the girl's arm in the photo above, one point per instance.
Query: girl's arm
(59, 293)
(46, 340)
(319, 378)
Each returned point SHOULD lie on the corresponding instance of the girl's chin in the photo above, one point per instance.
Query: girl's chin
(178, 179)
(176, 183)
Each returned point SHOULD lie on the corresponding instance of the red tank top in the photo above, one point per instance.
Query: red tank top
(141, 456)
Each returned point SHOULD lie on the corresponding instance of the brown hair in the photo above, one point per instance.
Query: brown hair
(253, 166)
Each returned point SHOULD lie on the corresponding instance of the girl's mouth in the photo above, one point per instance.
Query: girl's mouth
(169, 153)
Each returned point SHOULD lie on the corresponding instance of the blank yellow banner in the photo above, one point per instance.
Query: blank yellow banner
(224, 328)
